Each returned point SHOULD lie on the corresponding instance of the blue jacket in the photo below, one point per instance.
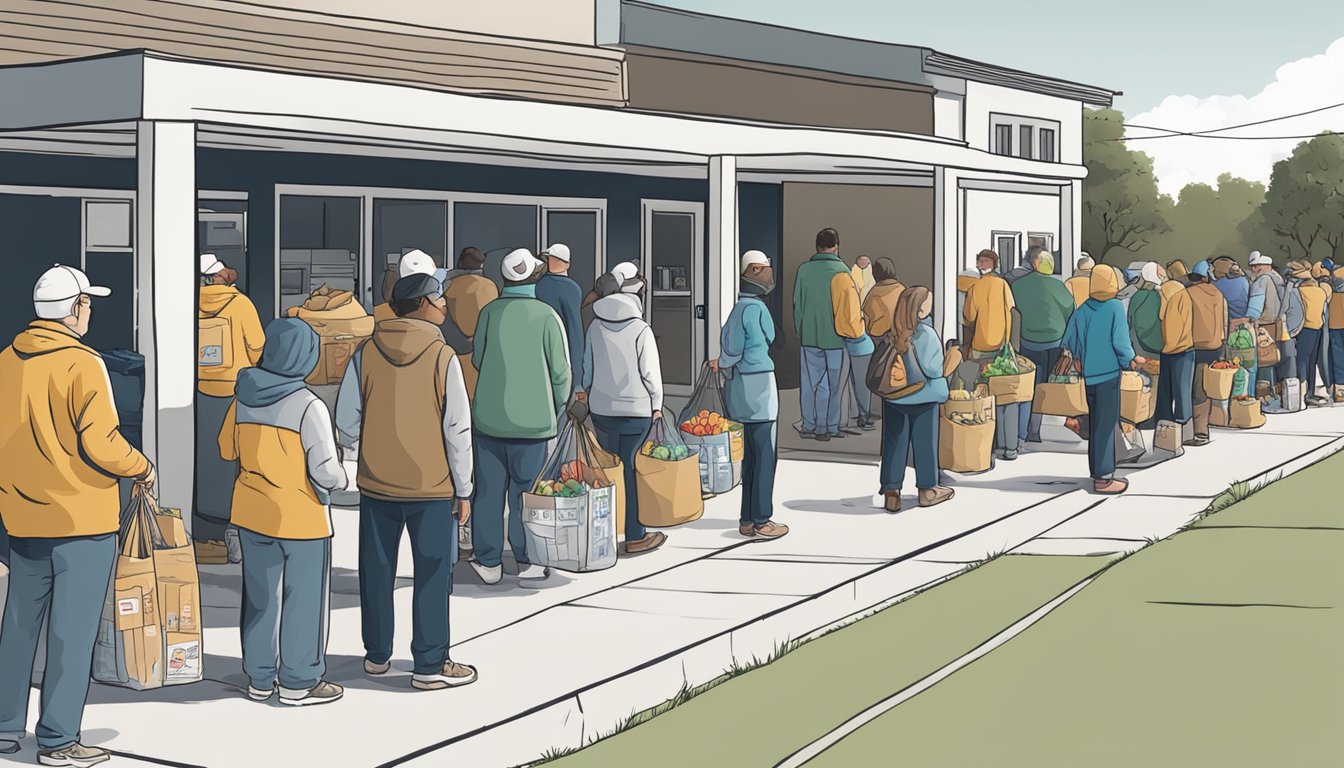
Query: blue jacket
(1237, 291)
(1098, 334)
(562, 294)
(747, 336)
(928, 349)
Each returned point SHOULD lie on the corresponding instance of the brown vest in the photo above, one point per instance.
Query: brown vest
(402, 454)
(1208, 316)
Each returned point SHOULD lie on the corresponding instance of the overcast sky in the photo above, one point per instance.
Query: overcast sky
(1182, 64)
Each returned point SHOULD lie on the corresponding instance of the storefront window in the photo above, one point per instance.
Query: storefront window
(319, 245)
(672, 249)
(221, 229)
(494, 228)
(400, 226)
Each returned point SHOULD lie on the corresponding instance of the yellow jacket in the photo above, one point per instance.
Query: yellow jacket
(1313, 304)
(863, 280)
(989, 311)
(879, 307)
(61, 447)
(1177, 315)
(1079, 286)
(225, 303)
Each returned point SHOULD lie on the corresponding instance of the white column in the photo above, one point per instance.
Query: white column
(1070, 225)
(947, 258)
(722, 274)
(166, 284)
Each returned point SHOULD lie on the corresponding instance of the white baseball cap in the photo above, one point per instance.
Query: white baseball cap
(57, 289)
(624, 271)
(518, 265)
(558, 250)
(1258, 259)
(210, 264)
(417, 262)
(754, 259)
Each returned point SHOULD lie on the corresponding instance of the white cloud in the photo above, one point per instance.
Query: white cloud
(1298, 86)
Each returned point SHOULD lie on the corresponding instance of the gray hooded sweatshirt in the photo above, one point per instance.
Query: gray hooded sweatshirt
(621, 371)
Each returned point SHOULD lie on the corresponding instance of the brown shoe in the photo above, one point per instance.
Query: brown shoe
(1110, 487)
(650, 542)
(212, 553)
(932, 497)
(771, 530)
(453, 675)
(746, 529)
(892, 501)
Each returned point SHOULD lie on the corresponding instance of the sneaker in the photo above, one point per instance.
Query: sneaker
(490, 574)
(868, 425)
(211, 553)
(454, 675)
(233, 545)
(841, 435)
(932, 497)
(8, 747)
(821, 438)
(322, 693)
(1339, 395)
(1316, 401)
(259, 694)
(650, 542)
(372, 669)
(746, 529)
(76, 755)
(1009, 456)
(1199, 441)
(1110, 487)
(533, 572)
(891, 502)
(806, 435)
(771, 530)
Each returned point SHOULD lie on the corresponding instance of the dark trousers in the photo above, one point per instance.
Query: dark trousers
(433, 530)
(902, 427)
(1337, 357)
(505, 470)
(1029, 424)
(1308, 359)
(1103, 409)
(758, 472)
(1175, 387)
(623, 436)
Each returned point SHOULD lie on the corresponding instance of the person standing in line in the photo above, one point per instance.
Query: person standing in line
(231, 339)
(825, 315)
(857, 354)
(751, 395)
(881, 301)
(1176, 271)
(414, 262)
(988, 320)
(560, 292)
(62, 452)
(1098, 337)
(1080, 284)
(1231, 281)
(523, 355)
(1046, 305)
(864, 278)
(404, 402)
(1335, 285)
(1209, 320)
(468, 290)
(281, 435)
(1176, 380)
(1265, 307)
(1025, 267)
(1310, 340)
(1145, 311)
(622, 386)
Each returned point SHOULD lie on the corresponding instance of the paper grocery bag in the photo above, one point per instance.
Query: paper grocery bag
(615, 472)
(669, 491)
(1007, 390)
(1130, 381)
(1218, 382)
(1137, 405)
(1167, 436)
(1245, 414)
(965, 448)
(1061, 399)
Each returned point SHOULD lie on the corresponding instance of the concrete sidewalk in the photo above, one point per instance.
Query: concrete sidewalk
(564, 663)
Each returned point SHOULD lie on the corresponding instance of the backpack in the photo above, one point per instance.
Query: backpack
(214, 344)
(891, 375)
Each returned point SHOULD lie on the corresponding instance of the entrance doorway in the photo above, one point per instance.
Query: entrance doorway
(673, 259)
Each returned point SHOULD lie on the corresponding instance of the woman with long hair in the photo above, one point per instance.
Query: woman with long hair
(912, 419)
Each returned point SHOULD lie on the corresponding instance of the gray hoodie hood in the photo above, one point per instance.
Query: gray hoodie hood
(617, 309)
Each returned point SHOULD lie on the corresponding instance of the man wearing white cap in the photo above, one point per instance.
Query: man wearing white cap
(560, 292)
(1265, 308)
(751, 394)
(230, 338)
(415, 262)
(63, 452)
(522, 354)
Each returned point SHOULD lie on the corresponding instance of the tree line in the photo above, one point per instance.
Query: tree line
(1300, 215)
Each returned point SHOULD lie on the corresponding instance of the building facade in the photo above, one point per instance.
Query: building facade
(306, 145)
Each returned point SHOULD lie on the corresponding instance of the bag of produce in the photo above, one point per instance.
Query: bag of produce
(668, 479)
(966, 434)
(1063, 393)
(1219, 377)
(1011, 378)
(341, 323)
(718, 440)
(569, 517)
(614, 469)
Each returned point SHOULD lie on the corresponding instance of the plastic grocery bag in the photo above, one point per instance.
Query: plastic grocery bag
(668, 479)
(719, 440)
(570, 515)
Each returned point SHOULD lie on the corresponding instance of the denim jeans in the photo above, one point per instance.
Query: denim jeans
(1308, 359)
(759, 461)
(505, 470)
(68, 578)
(623, 436)
(1103, 409)
(857, 368)
(1337, 357)
(433, 531)
(286, 601)
(904, 426)
(1029, 424)
(214, 475)
(1175, 386)
(820, 390)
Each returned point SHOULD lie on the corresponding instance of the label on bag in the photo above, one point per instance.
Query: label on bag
(128, 606)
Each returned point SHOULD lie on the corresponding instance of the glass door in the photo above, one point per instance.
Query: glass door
(581, 230)
(673, 238)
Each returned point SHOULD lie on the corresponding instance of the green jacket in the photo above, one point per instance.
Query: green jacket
(813, 310)
(1045, 305)
(1144, 317)
(520, 351)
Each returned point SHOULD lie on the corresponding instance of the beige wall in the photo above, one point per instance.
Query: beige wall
(896, 222)
(566, 21)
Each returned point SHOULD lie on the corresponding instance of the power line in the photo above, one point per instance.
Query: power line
(1172, 132)
(1228, 138)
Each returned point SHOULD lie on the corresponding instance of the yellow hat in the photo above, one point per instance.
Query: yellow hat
(1104, 283)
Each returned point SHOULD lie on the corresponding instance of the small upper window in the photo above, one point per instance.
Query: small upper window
(1024, 141)
(1047, 145)
(107, 225)
(1003, 139)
